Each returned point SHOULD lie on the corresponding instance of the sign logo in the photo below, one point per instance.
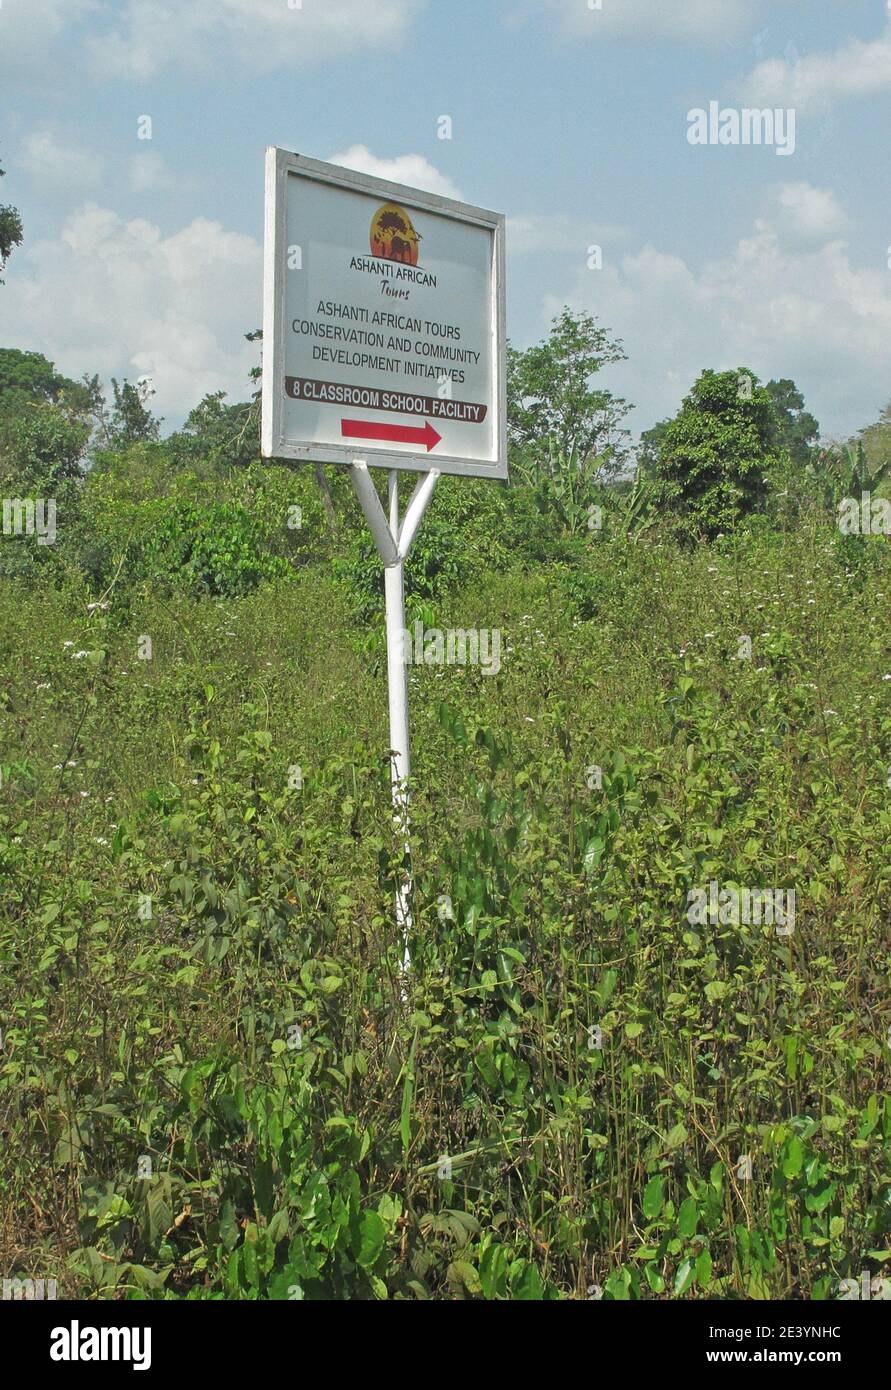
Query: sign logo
(391, 342)
(393, 237)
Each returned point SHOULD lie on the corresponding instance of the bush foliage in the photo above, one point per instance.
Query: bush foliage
(216, 1079)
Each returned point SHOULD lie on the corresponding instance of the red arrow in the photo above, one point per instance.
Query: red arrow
(400, 434)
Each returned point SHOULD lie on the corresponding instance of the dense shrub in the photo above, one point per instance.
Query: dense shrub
(200, 968)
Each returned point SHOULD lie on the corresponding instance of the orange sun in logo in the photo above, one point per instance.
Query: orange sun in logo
(393, 236)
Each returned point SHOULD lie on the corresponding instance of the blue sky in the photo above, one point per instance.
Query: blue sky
(143, 257)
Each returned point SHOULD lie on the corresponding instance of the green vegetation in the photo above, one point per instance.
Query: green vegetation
(216, 1081)
(714, 459)
(11, 232)
(553, 402)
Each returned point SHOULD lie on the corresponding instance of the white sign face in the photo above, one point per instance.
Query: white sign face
(383, 324)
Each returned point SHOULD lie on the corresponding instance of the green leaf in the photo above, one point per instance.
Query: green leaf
(593, 854)
(278, 1227)
(528, 1287)
(793, 1161)
(684, 1278)
(408, 1089)
(704, 1269)
(249, 1258)
(493, 1271)
(652, 1199)
(676, 1136)
(688, 1217)
(460, 1271)
(372, 1236)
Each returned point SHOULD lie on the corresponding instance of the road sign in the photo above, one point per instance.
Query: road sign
(383, 344)
(383, 324)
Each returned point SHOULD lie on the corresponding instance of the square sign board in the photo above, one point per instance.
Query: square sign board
(383, 324)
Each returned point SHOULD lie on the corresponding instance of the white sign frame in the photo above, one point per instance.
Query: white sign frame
(281, 165)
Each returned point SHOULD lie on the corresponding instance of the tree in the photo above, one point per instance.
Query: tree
(40, 448)
(551, 396)
(650, 447)
(715, 454)
(796, 430)
(219, 434)
(876, 439)
(256, 375)
(29, 378)
(131, 420)
(10, 230)
(46, 421)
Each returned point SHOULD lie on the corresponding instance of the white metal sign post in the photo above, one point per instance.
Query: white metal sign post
(393, 543)
(383, 345)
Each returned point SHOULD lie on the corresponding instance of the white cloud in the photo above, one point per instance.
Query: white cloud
(771, 305)
(28, 29)
(532, 232)
(143, 36)
(121, 299)
(709, 20)
(859, 68)
(148, 173)
(50, 160)
(810, 212)
(412, 169)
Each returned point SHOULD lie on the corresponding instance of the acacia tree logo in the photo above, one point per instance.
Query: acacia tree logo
(393, 236)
